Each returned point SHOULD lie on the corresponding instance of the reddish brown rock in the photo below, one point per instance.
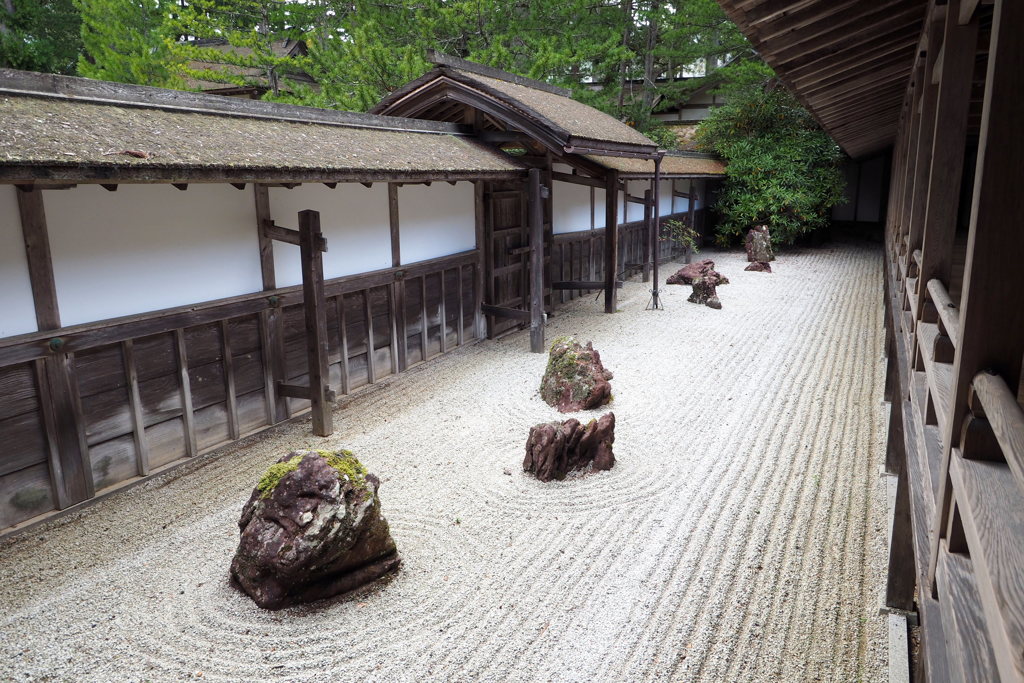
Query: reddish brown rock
(759, 267)
(312, 529)
(555, 449)
(575, 379)
(685, 275)
(704, 292)
(758, 244)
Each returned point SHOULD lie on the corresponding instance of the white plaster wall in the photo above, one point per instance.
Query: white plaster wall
(570, 209)
(148, 247)
(353, 218)
(435, 221)
(17, 312)
(635, 212)
(600, 211)
(665, 198)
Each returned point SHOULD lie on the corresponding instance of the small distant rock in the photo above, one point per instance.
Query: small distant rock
(312, 529)
(759, 267)
(758, 244)
(575, 378)
(555, 449)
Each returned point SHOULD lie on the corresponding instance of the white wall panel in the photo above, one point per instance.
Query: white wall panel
(435, 221)
(17, 312)
(353, 218)
(571, 207)
(149, 247)
(600, 209)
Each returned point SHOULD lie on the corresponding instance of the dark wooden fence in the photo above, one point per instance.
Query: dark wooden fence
(86, 409)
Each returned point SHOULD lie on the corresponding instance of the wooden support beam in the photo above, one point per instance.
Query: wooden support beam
(37, 254)
(536, 208)
(50, 424)
(135, 401)
(303, 392)
(231, 399)
(611, 240)
(289, 236)
(504, 312)
(396, 296)
(371, 370)
(582, 284)
(75, 463)
(185, 394)
(265, 223)
(481, 243)
(396, 247)
(316, 321)
(577, 179)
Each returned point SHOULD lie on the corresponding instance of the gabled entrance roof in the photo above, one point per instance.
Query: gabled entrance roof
(506, 101)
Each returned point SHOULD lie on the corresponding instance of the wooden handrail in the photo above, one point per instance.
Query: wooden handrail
(1006, 417)
(948, 311)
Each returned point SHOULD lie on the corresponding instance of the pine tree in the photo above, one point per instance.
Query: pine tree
(40, 35)
(126, 41)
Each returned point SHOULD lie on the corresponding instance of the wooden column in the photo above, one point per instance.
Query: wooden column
(992, 304)
(311, 247)
(650, 246)
(656, 230)
(536, 207)
(37, 254)
(611, 240)
(691, 199)
(273, 334)
(947, 162)
(57, 385)
(398, 332)
(478, 273)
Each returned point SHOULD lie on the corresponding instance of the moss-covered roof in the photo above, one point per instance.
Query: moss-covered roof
(671, 165)
(575, 118)
(134, 140)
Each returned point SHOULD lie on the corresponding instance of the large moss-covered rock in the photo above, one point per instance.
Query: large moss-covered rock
(554, 449)
(312, 529)
(705, 292)
(686, 274)
(575, 379)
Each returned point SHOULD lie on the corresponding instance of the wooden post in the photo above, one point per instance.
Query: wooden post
(274, 322)
(611, 240)
(536, 202)
(691, 200)
(947, 159)
(310, 243)
(399, 354)
(37, 254)
(656, 230)
(648, 246)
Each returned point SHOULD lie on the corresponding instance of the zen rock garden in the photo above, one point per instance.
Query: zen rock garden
(312, 529)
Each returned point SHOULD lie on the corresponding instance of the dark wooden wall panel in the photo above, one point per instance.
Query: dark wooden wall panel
(25, 494)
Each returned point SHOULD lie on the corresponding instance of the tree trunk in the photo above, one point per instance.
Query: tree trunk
(650, 75)
(627, 18)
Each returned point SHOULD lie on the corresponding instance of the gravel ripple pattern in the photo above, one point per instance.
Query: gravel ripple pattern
(740, 536)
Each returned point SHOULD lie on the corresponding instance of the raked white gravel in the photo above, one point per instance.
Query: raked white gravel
(740, 536)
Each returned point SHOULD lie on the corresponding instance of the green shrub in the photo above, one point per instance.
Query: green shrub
(782, 168)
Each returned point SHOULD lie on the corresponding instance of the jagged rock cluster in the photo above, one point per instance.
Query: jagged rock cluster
(312, 529)
(554, 449)
(575, 379)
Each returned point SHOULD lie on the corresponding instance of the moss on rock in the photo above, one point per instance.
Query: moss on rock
(275, 473)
